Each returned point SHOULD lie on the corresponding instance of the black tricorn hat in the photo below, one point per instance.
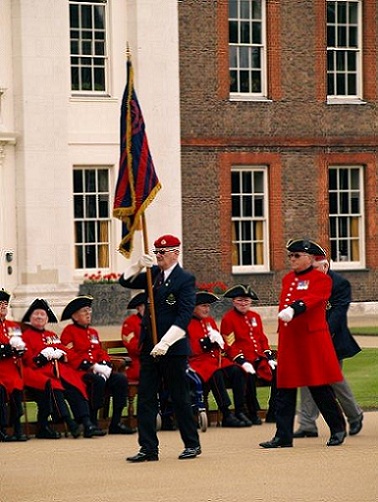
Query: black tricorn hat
(305, 246)
(137, 300)
(241, 290)
(4, 295)
(204, 297)
(76, 304)
(40, 304)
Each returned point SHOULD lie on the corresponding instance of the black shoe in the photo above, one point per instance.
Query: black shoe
(231, 421)
(305, 434)
(244, 419)
(336, 439)
(74, 429)
(190, 453)
(92, 430)
(47, 433)
(121, 429)
(277, 443)
(144, 456)
(21, 438)
(6, 438)
(356, 426)
(256, 420)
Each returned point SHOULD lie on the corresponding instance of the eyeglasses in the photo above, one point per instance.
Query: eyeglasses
(296, 255)
(163, 251)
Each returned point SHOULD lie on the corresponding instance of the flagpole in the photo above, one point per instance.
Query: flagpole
(149, 283)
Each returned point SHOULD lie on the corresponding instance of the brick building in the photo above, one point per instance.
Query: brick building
(279, 137)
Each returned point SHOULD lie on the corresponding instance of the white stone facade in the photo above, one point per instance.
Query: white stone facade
(45, 131)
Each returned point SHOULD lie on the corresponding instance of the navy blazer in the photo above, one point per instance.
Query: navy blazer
(338, 304)
(174, 303)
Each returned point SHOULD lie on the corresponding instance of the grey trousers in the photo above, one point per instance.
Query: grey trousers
(308, 411)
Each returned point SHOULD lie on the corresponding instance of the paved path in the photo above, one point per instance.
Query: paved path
(232, 468)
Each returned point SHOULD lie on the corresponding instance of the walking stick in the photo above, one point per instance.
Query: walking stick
(21, 370)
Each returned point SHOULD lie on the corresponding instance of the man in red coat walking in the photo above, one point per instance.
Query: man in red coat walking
(306, 356)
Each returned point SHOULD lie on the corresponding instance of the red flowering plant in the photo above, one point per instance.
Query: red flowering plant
(217, 287)
(100, 278)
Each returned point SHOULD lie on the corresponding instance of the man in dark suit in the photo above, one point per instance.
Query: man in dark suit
(174, 300)
(345, 346)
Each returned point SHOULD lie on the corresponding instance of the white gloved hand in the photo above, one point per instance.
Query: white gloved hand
(172, 335)
(48, 352)
(17, 343)
(247, 367)
(272, 363)
(216, 337)
(286, 314)
(102, 370)
(58, 353)
(146, 261)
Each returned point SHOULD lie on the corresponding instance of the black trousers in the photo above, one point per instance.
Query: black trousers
(323, 396)
(15, 407)
(223, 378)
(97, 387)
(173, 370)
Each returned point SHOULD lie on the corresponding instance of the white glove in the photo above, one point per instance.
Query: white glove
(146, 261)
(102, 370)
(172, 335)
(58, 353)
(216, 337)
(48, 352)
(17, 343)
(272, 363)
(286, 314)
(249, 368)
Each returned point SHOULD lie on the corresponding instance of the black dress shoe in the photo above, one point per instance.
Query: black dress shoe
(244, 419)
(74, 428)
(121, 429)
(336, 439)
(190, 453)
(47, 433)
(144, 456)
(277, 443)
(256, 420)
(91, 431)
(6, 438)
(356, 426)
(305, 434)
(231, 421)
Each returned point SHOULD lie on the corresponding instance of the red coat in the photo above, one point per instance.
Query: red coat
(131, 329)
(203, 362)
(82, 345)
(37, 376)
(306, 355)
(10, 373)
(245, 335)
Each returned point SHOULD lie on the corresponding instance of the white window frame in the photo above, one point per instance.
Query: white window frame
(264, 219)
(340, 53)
(344, 218)
(248, 48)
(86, 220)
(102, 59)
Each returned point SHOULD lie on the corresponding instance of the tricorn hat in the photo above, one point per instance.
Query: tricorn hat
(241, 290)
(167, 241)
(204, 297)
(76, 304)
(40, 304)
(4, 295)
(137, 300)
(305, 246)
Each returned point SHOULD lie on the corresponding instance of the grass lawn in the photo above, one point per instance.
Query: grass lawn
(365, 331)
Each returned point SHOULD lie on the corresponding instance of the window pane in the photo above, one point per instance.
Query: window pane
(352, 84)
(232, 57)
(331, 36)
(90, 206)
(232, 8)
(103, 206)
(340, 84)
(256, 81)
(99, 79)
(341, 12)
(256, 33)
(244, 57)
(245, 35)
(233, 32)
(353, 36)
(99, 17)
(259, 206)
(78, 206)
(245, 9)
(235, 206)
(90, 257)
(90, 180)
(333, 203)
(256, 9)
(86, 16)
(79, 232)
(353, 13)
(247, 182)
(352, 65)
(74, 16)
(355, 179)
